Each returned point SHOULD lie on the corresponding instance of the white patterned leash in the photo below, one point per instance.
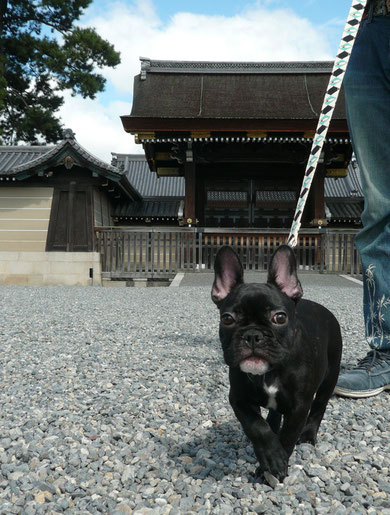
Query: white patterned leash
(332, 93)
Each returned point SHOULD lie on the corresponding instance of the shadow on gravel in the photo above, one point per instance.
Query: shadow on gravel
(216, 454)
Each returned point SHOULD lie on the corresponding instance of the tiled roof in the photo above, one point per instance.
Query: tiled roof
(147, 183)
(276, 196)
(12, 157)
(17, 159)
(225, 67)
(20, 162)
(149, 209)
(349, 186)
(347, 209)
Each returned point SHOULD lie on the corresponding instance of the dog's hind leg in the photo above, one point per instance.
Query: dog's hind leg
(324, 392)
(326, 388)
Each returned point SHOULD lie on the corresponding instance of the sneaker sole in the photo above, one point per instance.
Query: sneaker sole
(360, 394)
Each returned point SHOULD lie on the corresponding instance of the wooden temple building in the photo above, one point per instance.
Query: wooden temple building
(240, 134)
(225, 149)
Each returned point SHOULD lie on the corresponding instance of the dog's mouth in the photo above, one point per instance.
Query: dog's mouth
(254, 365)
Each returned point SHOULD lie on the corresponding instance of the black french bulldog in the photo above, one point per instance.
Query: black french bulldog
(283, 354)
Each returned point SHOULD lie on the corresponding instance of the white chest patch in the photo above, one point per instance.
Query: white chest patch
(271, 391)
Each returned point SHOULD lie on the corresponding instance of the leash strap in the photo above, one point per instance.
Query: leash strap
(332, 93)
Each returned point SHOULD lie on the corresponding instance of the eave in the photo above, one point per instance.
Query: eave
(134, 125)
(57, 156)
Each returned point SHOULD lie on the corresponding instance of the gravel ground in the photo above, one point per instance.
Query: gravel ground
(115, 401)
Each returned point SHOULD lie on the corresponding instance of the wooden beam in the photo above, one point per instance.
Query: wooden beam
(141, 136)
(319, 195)
(200, 134)
(163, 156)
(165, 171)
(145, 127)
(336, 172)
(256, 134)
(190, 190)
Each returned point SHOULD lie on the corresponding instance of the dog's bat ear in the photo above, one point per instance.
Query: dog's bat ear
(228, 273)
(282, 272)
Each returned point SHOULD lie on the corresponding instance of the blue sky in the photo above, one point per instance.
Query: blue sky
(214, 30)
(314, 10)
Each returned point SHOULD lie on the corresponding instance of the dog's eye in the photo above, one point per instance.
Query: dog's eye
(279, 318)
(227, 319)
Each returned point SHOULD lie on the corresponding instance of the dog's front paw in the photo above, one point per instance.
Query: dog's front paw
(273, 463)
(265, 478)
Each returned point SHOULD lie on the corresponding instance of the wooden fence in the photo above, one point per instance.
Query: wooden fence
(128, 253)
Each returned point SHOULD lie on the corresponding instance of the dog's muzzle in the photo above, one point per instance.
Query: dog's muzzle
(252, 338)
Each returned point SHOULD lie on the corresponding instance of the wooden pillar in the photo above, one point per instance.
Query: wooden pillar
(190, 189)
(319, 195)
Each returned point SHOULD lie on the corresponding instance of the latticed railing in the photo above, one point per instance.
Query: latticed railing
(157, 252)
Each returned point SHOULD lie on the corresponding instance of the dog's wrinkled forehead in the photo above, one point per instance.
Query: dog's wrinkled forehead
(254, 298)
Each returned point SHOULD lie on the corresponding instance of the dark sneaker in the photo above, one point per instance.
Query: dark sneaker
(370, 376)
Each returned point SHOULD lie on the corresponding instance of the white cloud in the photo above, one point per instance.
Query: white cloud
(98, 128)
(258, 33)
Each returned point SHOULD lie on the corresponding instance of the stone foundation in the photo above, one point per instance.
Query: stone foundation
(50, 268)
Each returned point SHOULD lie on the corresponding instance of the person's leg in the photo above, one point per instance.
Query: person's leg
(367, 90)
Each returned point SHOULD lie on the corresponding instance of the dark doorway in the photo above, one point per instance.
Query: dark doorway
(70, 227)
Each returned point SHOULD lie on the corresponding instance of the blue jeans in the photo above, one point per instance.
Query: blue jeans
(367, 90)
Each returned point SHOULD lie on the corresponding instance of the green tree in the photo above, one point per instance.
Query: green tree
(43, 53)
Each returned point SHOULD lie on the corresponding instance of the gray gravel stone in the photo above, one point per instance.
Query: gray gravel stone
(116, 401)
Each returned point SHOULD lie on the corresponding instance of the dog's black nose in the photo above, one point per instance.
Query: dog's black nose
(252, 337)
